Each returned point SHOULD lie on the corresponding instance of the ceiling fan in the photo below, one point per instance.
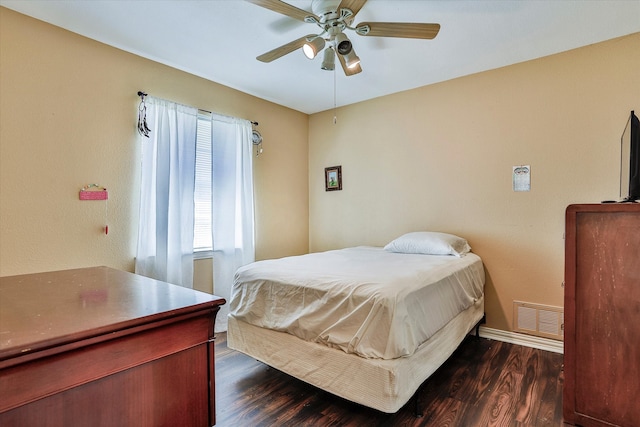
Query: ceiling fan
(334, 17)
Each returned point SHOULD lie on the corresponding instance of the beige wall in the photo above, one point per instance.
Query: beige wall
(68, 109)
(440, 158)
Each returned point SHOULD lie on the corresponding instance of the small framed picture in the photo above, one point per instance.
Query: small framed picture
(333, 178)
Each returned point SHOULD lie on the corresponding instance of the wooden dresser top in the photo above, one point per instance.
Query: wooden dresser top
(41, 310)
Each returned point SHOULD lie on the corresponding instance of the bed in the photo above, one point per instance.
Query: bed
(369, 324)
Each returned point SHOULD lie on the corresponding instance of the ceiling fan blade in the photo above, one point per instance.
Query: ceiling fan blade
(284, 49)
(349, 71)
(284, 9)
(353, 5)
(398, 29)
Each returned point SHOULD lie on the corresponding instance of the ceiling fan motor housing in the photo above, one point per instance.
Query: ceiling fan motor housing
(325, 9)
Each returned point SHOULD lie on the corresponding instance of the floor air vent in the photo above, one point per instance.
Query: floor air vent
(541, 320)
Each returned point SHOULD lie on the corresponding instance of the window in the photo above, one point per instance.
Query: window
(202, 197)
(166, 244)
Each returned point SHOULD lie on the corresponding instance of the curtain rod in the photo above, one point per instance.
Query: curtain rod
(143, 94)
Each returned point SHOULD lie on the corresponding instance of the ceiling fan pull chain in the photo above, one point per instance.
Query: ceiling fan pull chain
(335, 115)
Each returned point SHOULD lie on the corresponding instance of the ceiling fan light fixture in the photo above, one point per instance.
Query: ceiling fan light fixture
(311, 48)
(351, 59)
(329, 59)
(343, 44)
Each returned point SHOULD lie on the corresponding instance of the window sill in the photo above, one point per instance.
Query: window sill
(203, 255)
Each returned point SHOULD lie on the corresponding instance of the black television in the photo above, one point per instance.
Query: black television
(630, 160)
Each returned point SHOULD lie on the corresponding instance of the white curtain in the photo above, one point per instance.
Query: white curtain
(165, 232)
(232, 205)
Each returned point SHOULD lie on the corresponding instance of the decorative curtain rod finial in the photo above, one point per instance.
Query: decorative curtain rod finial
(143, 129)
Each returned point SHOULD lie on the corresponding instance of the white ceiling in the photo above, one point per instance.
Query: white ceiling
(219, 40)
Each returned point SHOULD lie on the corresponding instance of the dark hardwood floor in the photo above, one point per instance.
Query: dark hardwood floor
(484, 383)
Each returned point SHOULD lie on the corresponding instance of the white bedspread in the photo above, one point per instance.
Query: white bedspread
(363, 300)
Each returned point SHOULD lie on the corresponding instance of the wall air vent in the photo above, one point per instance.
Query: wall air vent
(536, 319)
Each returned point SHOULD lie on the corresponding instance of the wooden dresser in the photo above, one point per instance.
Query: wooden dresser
(102, 347)
(602, 315)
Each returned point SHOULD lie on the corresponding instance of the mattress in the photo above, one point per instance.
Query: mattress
(363, 300)
(385, 385)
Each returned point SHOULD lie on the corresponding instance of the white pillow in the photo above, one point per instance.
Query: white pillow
(429, 243)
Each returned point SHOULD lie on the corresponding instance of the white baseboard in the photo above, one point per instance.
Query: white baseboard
(522, 339)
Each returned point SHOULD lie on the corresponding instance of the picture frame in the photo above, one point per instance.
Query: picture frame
(333, 178)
